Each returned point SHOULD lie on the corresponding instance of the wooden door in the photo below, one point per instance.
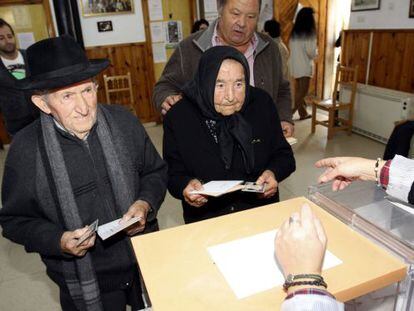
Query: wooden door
(285, 11)
(26, 16)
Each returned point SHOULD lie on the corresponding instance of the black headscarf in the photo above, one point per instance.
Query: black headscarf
(231, 130)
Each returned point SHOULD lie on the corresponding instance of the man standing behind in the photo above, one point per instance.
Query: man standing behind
(15, 105)
(236, 26)
(80, 161)
(12, 58)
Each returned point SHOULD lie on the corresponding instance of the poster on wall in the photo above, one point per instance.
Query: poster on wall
(411, 14)
(174, 33)
(101, 7)
(364, 5)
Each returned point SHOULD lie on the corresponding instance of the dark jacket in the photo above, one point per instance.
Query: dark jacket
(268, 75)
(191, 152)
(30, 216)
(15, 105)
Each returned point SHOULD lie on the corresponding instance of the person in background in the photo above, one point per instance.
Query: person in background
(224, 129)
(236, 27)
(396, 175)
(15, 105)
(303, 51)
(11, 57)
(400, 140)
(272, 28)
(300, 246)
(201, 24)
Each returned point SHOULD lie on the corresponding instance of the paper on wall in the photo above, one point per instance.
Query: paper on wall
(249, 266)
(157, 32)
(155, 10)
(210, 6)
(159, 53)
(25, 39)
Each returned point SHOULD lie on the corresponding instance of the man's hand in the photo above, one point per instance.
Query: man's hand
(287, 128)
(69, 241)
(137, 209)
(196, 200)
(300, 243)
(168, 102)
(344, 170)
(268, 178)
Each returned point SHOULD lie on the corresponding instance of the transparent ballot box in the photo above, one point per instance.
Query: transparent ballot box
(384, 220)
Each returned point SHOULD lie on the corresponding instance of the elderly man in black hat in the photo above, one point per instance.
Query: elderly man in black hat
(79, 162)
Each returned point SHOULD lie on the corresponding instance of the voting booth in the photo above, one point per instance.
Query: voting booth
(225, 263)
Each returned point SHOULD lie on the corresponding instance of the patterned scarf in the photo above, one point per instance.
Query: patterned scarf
(79, 274)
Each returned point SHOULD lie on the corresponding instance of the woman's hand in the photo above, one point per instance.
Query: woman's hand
(344, 170)
(268, 178)
(196, 200)
(300, 243)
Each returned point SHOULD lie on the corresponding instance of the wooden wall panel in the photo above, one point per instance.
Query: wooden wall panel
(392, 64)
(131, 58)
(284, 14)
(355, 51)
(391, 61)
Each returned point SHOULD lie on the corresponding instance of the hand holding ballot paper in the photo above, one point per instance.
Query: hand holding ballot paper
(196, 193)
(78, 242)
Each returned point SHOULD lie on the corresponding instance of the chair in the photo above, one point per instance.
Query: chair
(345, 77)
(120, 88)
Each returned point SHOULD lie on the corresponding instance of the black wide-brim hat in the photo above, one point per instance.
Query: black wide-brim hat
(58, 62)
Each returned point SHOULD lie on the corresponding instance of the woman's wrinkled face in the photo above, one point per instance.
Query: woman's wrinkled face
(230, 89)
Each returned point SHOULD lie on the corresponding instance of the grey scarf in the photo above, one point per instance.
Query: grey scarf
(79, 274)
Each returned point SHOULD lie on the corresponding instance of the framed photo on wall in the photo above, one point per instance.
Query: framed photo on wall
(411, 14)
(365, 5)
(105, 26)
(106, 7)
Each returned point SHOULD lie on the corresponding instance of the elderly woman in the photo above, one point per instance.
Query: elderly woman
(224, 129)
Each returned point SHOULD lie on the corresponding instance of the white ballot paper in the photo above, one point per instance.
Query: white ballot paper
(249, 265)
(216, 188)
(109, 229)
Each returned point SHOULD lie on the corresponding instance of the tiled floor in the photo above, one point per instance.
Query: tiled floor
(24, 285)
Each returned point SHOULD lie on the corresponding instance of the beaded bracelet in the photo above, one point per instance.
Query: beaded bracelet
(292, 277)
(287, 285)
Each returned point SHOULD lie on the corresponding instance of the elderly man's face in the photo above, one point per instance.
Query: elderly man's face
(238, 21)
(230, 88)
(74, 107)
(7, 41)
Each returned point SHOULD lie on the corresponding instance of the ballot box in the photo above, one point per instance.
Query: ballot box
(386, 221)
(180, 273)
